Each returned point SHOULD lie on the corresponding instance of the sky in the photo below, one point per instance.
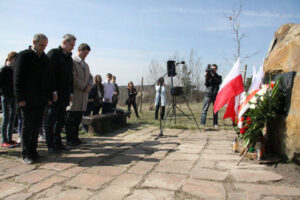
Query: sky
(126, 35)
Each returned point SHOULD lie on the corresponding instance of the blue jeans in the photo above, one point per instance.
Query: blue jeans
(9, 107)
(206, 102)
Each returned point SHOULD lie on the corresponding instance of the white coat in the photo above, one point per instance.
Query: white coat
(162, 95)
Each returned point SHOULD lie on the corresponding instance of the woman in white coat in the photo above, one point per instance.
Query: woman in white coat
(160, 98)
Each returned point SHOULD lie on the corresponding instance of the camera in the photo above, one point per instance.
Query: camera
(209, 71)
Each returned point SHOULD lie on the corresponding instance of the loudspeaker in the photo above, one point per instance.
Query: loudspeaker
(171, 68)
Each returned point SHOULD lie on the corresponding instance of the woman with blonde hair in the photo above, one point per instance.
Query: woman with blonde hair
(8, 100)
(132, 98)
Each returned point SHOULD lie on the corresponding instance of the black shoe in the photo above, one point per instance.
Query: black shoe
(36, 156)
(28, 161)
(53, 150)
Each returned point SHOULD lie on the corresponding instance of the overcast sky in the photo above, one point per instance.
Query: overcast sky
(126, 35)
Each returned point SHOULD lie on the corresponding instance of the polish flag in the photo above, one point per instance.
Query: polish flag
(254, 88)
(229, 92)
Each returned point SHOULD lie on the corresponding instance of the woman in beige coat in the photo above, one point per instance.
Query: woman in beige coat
(82, 83)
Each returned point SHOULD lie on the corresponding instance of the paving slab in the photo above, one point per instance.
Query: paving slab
(208, 174)
(151, 194)
(175, 166)
(243, 175)
(164, 181)
(74, 194)
(7, 188)
(106, 170)
(19, 196)
(141, 168)
(88, 181)
(204, 189)
(269, 189)
(71, 172)
(115, 192)
(46, 184)
(182, 156)
(34, 176)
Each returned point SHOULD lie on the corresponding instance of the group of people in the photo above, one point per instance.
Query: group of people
(51, 90)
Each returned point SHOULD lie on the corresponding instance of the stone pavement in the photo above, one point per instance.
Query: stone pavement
(132, 165)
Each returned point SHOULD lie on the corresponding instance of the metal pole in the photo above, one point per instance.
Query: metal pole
(245, 70)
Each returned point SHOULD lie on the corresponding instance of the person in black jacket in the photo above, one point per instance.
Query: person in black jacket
(33, 93)
(212, 82)
(8, 100)
(61, 63)
(95, 99)
(132, 98)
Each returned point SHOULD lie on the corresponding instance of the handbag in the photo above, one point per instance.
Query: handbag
(126, 101)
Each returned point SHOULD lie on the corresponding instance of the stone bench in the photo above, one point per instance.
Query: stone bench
(105, 122)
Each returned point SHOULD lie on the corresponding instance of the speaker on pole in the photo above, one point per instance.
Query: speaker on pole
(171, 68)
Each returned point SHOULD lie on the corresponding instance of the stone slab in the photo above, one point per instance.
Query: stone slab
(271, 190)
(46, 184)
(208, 174)
(204, 189)
(174, 166)
(151, 194)
(243, 175)
(34, 176)
(141, 168)
(88, 181)
(106, 170)
(164, 181)
(114, 192)
(7, 188)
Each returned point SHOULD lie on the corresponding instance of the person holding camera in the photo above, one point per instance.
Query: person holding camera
(160, 98)
(212, 82)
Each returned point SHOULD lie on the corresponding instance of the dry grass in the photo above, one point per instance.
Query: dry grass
(182, 122)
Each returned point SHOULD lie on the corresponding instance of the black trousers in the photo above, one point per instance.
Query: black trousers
(32, 120)
(134, 107)
(73, 120)
(55, 123)
(162, 114)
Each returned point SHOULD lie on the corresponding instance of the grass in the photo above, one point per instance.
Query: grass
(182, 122)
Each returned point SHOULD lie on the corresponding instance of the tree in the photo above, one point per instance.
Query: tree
(186, 80)
(155, 72)
(234, 19)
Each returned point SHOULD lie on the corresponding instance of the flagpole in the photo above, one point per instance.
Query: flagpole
(245, 70)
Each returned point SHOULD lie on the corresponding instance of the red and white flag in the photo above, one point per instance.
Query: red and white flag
(229, 92)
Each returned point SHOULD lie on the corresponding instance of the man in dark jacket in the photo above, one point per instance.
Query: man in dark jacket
(33, 93)
(61, 63)
(212, 82)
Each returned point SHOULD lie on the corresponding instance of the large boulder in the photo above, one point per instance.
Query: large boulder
(284, 56)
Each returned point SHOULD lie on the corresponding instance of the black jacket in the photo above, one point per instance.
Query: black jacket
(6, 81)
(131, 95)
(212, 85)
(62, 66)
(32, 82)
(93, 94)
